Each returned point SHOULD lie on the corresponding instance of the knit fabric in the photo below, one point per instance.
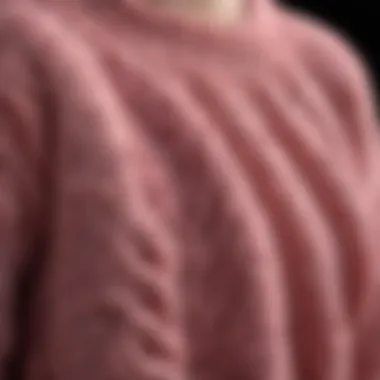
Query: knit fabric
(184, 201)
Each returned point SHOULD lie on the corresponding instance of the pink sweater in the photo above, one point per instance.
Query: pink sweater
(182, 202)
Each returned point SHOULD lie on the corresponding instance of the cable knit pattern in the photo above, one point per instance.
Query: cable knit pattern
(184, 202)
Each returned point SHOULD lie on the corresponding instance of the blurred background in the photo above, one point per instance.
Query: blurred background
(357, 19)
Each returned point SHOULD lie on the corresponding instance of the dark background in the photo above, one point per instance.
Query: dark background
(356, 19)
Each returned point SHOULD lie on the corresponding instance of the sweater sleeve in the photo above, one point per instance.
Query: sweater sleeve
(362, 127)
(348, 87)
(18, 183)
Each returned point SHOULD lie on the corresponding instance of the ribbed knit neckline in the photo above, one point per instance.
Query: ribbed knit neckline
(186, 29)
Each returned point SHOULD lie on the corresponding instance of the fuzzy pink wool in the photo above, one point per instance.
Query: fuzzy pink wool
(181, 201)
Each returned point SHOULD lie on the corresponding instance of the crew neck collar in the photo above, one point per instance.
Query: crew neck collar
(186, 29)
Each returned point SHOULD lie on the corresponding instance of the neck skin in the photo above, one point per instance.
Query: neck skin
(220, 11)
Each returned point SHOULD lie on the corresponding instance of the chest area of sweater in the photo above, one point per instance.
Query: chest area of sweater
(246, 108)
(173, 90)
